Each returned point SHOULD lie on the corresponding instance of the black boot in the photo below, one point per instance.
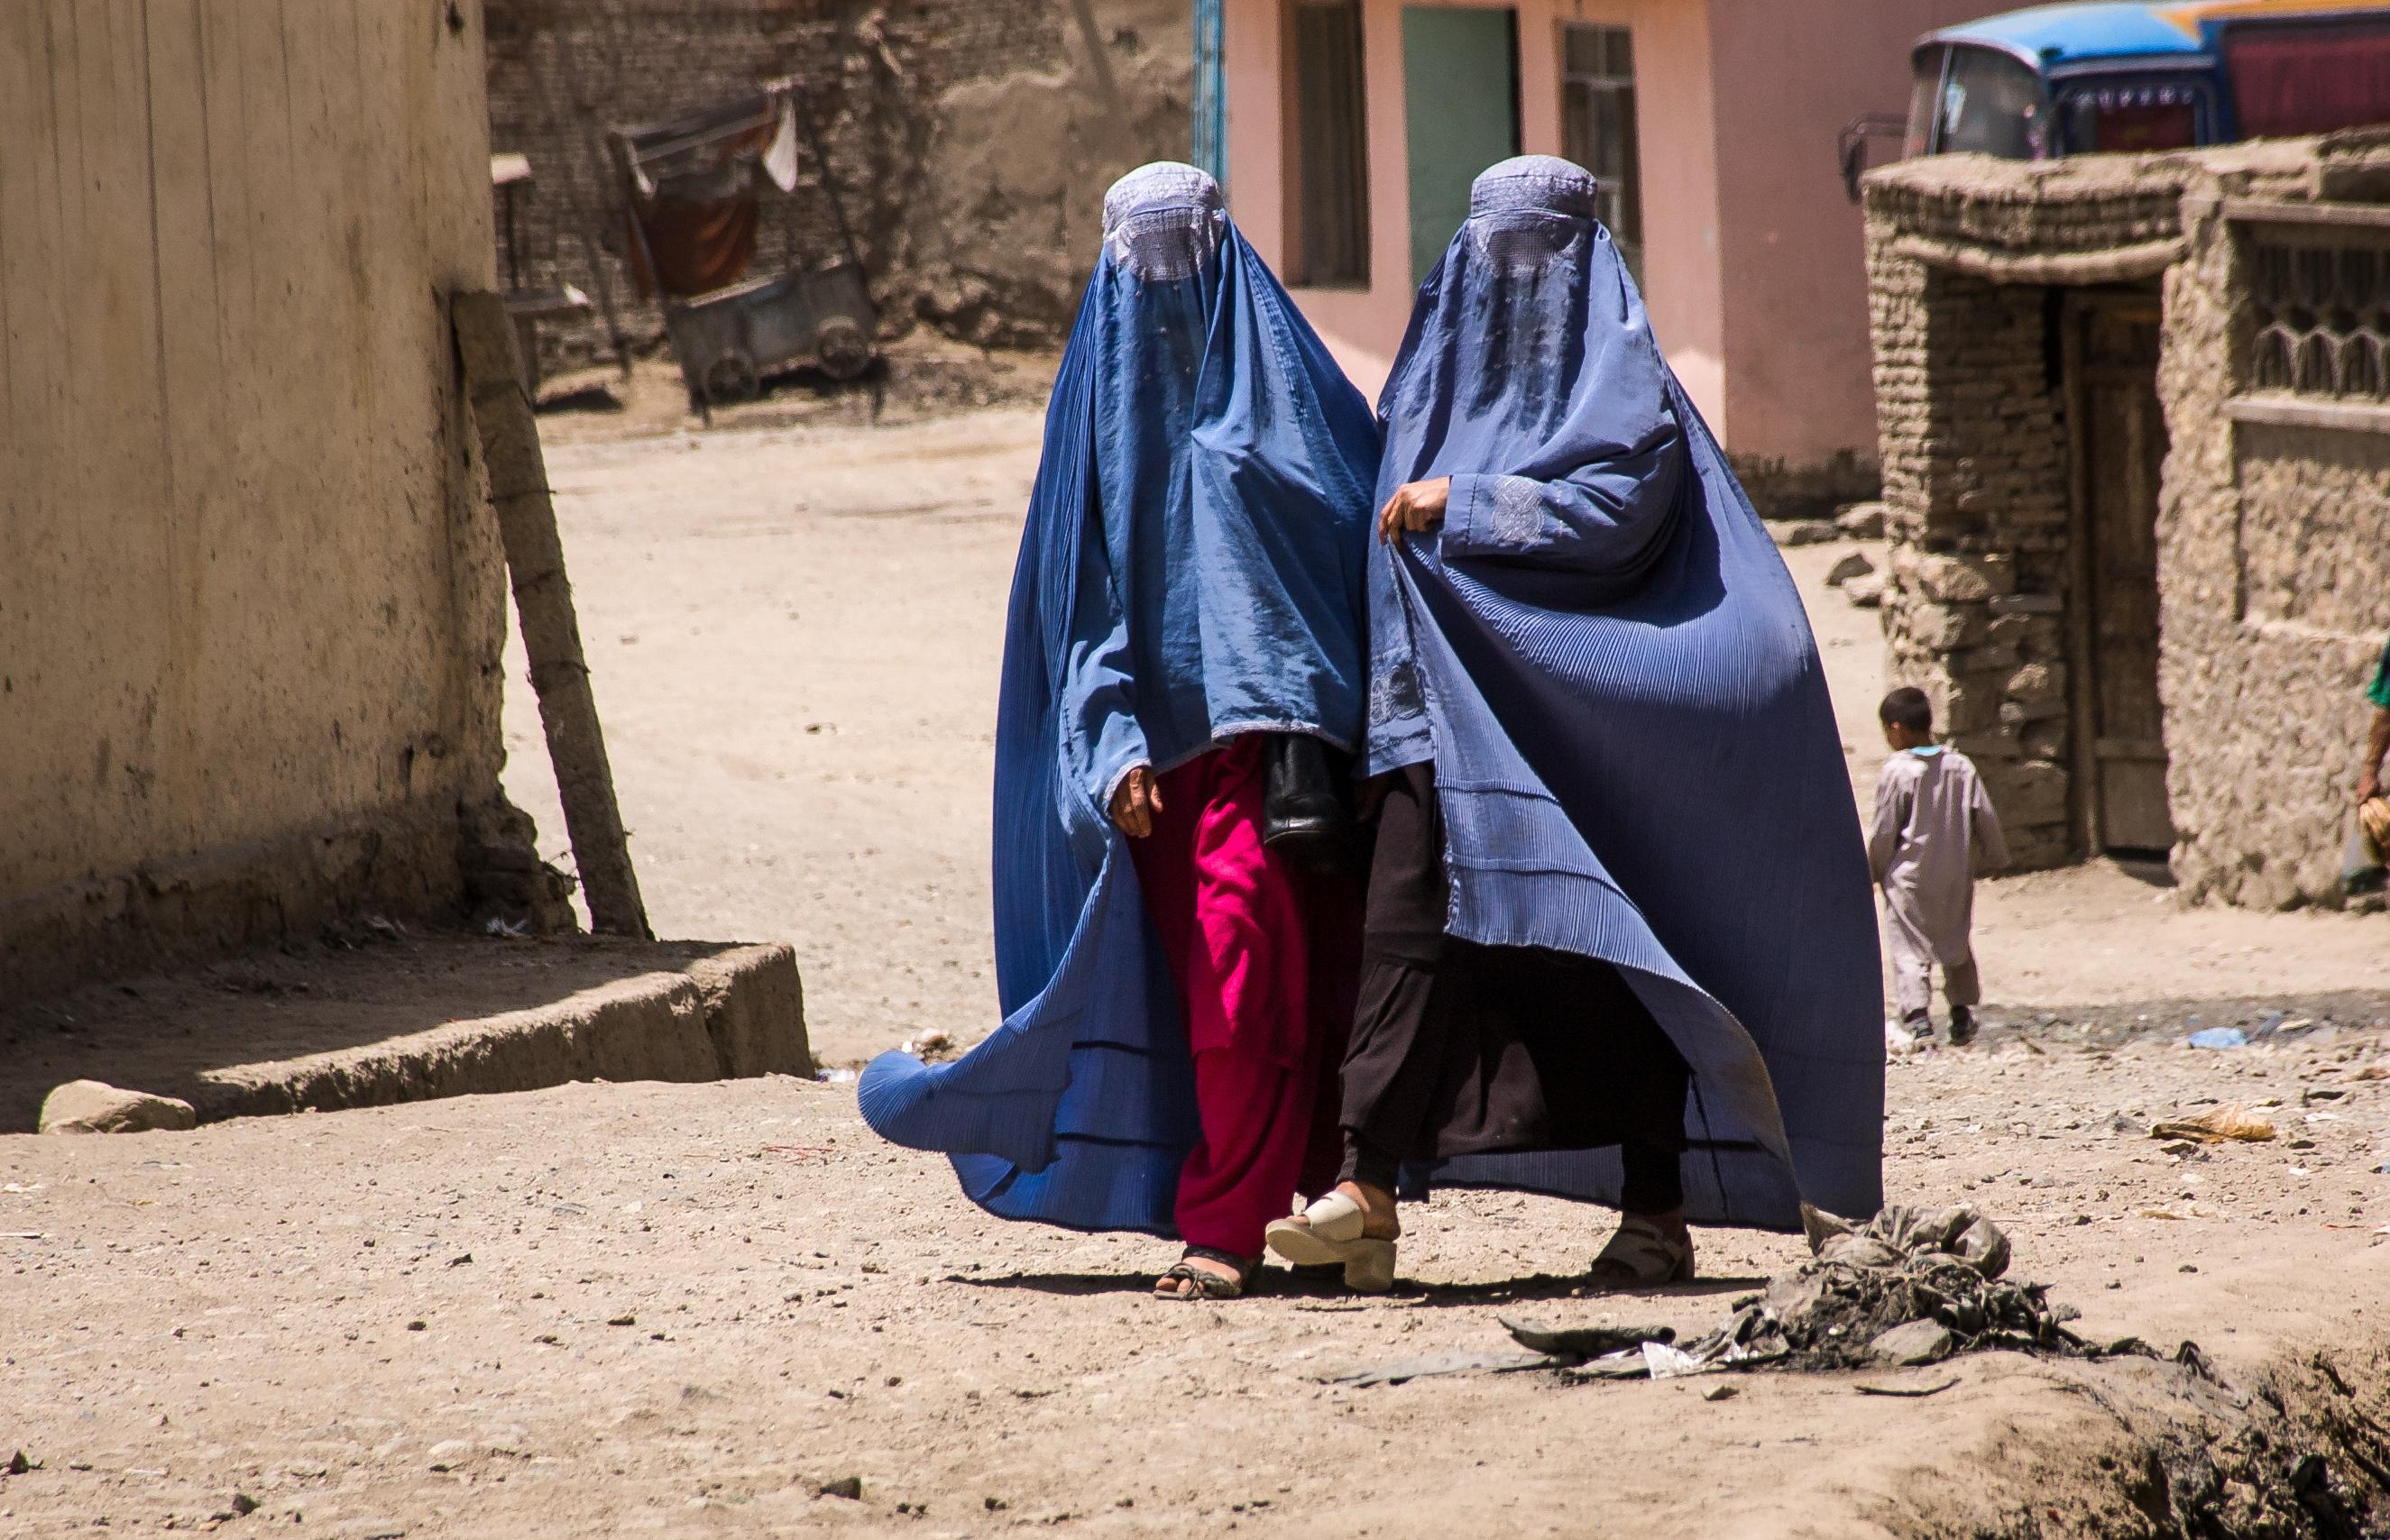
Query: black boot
(1305, 816)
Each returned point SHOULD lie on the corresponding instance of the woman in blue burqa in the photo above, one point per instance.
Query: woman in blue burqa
(1619, 942)
(1184, 648)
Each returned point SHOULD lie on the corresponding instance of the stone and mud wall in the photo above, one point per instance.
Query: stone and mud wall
(251, 603)
(971, 142)
(2274, 585)
(1976, 471)
(2277, 578)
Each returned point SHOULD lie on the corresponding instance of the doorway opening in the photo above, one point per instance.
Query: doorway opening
(2117, 440)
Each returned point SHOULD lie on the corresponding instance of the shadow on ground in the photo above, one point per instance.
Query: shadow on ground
(208, 1035)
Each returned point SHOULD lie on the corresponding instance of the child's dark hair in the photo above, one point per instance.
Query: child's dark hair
(1906, 708)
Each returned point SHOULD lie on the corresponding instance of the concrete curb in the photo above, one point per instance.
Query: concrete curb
(737, 1013)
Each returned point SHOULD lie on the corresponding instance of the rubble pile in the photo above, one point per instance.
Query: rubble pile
(1912, 1286)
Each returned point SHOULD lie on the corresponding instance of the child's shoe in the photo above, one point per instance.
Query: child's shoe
(1920, 1027)
(1962, 1026)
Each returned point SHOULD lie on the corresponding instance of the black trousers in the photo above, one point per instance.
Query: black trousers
(1464, 1049)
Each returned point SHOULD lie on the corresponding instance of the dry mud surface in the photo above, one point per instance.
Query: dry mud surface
(686, 1309)
(794, 632)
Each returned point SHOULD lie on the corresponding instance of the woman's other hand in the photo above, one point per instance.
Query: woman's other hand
(1416, 506)
(1135, 800)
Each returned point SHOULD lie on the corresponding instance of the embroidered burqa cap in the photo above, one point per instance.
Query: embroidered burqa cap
(1602, 653)
(1192, 568)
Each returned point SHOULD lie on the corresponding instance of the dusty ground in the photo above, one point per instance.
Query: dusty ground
(794, 631)
(233, 1311)
(795, 634)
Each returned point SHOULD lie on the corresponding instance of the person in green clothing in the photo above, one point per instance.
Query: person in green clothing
(2362, 869)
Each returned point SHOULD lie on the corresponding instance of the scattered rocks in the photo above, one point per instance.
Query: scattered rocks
(1912, 1343)
(1913, 1286)
(1861, 520)
(1851, 566)
(96, 1107)
(2216, 1125)
(931, 1047)
(1803, 531)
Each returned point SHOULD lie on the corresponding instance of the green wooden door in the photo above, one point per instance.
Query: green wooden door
(1461, 103)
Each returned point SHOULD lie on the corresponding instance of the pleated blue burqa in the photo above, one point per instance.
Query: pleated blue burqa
(1604, 656)
(1192, 568)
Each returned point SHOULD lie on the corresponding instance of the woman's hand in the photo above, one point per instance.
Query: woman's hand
(1135, 800)
(1416, 506)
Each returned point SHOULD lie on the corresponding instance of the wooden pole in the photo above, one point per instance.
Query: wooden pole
(519, 492)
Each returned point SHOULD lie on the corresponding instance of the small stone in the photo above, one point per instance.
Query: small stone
(1861, 520)
(623, 1321)
(1865, 593)
(1965, 579)
(848, 1487)
(414, 1326)
(1913, 1343)
(18, 1464)
(1851, 566)
(96, 1107)
(1721, 1393)
(1803, 531)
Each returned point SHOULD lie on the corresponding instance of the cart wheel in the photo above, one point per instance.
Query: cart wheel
(842, 349)
(733, 378)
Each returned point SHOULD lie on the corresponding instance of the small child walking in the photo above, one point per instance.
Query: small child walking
(1934, 828)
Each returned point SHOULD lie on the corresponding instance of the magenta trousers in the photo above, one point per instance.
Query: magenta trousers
(1266, 960)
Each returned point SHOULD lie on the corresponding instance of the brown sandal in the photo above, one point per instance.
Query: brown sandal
(1208, 1284)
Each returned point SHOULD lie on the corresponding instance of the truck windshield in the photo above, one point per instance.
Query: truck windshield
(1982, 101)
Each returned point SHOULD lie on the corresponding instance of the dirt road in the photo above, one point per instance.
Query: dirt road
(690, 1310)
(795, 632)
(685, 1310)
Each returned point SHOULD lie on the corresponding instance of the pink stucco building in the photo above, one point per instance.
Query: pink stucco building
(1353, 127)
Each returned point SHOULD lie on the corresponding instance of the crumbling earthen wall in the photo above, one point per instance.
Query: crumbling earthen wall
(1976, 475)
(251, 607)
(972, 143)
(2276, 593)
(2272, 575)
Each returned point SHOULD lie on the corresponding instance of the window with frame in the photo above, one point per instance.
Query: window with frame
(1598, 127)
(2321, 299)
(1328, 206)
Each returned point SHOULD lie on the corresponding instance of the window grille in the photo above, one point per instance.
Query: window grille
(1598, 128)
(2322, 312)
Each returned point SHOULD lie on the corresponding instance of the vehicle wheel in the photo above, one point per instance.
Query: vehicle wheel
(733, 378)
(842, 349)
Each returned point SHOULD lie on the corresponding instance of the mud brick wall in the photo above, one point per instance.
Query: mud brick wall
(252, 607)
(2274, 583)
(2275, 593)
(970, 140)
(1976, 494)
